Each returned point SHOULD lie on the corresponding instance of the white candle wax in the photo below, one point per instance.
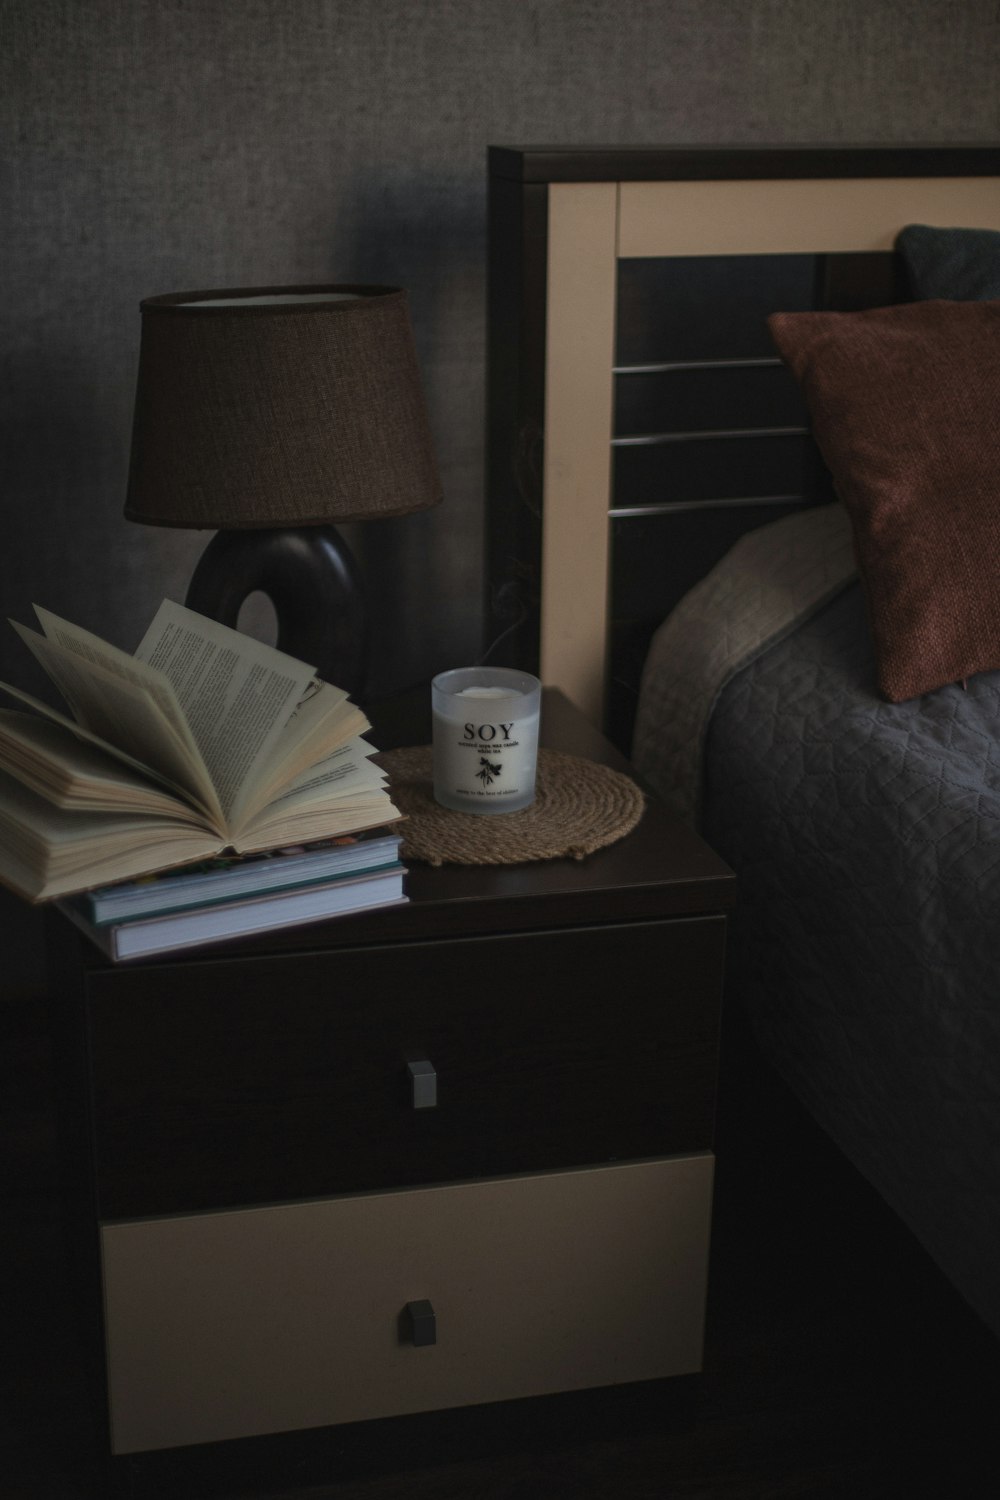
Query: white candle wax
(485, 739)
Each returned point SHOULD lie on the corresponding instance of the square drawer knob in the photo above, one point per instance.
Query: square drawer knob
(423, 1082)
(420, 1323)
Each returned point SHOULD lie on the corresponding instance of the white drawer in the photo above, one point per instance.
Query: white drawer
(231, 1324)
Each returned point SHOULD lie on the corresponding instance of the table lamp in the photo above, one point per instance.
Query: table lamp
(269, 414)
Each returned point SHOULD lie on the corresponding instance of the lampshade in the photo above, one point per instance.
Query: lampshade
(270, 407)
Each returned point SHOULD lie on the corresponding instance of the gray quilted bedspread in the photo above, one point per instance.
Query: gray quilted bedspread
(771, 580)
(866, 838)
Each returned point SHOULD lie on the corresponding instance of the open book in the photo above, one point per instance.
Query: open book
(205, 740)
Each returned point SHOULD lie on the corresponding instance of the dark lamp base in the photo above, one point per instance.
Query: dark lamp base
(310, 576)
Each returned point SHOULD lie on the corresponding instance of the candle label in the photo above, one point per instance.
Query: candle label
(486, 760)
(490, 732)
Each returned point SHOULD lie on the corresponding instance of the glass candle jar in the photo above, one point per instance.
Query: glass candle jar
(485, 738)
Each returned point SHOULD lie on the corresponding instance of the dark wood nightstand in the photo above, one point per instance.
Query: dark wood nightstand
(447, 1153)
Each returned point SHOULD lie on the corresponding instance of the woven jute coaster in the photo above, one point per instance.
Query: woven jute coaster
(579, 806)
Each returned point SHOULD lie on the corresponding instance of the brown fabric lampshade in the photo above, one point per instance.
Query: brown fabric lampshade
(278, 407)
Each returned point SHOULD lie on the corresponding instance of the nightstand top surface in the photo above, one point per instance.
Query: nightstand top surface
(662, 869)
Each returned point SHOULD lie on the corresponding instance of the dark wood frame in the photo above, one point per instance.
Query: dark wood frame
(521, 184)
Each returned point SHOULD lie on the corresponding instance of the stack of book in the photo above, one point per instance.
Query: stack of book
(206, 745)
(241, 894)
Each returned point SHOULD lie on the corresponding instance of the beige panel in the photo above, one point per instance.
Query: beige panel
(578, 418)
(799, 216)
(270, 1319)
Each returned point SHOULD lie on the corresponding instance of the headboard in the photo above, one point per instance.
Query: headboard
(639, 420)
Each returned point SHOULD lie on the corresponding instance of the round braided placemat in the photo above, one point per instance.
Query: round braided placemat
(579, 806)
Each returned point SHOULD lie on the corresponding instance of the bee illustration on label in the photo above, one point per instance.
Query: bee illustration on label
(490, 770)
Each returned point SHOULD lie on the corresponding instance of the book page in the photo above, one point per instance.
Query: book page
(343, 793)
(237, 695)
(121, 710)
(342, 774)
(321, 720)
(72, 771)
(47, 852)
(324, 722)
(90, 649)
(307, 815)
(87, 736)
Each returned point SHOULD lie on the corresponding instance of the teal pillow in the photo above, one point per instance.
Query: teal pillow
(961, 265)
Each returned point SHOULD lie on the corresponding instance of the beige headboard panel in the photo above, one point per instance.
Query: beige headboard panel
(798, 217)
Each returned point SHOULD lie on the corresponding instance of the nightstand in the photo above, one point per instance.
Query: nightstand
(453, 1152)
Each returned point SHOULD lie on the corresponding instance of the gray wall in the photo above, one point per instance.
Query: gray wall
(162, 145)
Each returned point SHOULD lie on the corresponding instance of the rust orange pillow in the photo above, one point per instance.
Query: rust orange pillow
(904, 403)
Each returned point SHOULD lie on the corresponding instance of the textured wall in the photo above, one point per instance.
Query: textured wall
(158, 145)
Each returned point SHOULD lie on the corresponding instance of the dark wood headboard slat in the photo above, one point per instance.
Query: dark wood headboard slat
(544, 164)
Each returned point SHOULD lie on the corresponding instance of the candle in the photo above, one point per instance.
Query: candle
(485, 738)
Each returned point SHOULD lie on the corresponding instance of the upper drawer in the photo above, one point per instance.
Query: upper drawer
(253, 1080)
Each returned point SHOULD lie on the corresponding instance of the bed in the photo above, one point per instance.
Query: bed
(689, 532)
